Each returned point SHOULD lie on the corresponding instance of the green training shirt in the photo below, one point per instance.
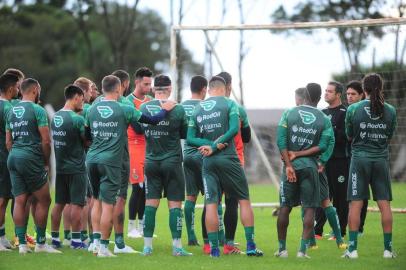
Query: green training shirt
(108, 121)
(189, 107)
(301, 128)
(215, 120)
(163, 140)
(5, 107)
(68, 132)
(370, 135)
(23, 122)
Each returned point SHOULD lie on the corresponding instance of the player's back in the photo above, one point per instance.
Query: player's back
(189, 106)
(67, 129)
(107, 122)
(370, 135)
(24, 119)
(163, 139)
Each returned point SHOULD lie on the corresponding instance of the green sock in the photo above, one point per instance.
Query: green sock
(119, 240)
(334, 222)
(213, 239)
(76, 236)
(2, 230)
(83, 235)
(149, 221)
(221, 224)
(41, 235)
(352, 243)
(55, 235)
(303, 245)
(206, 241)
(21, 232)
(282, 245)
(105, 242)
(190, 219)
(96, 236)
(249, 234)
(91, 237)
(175, 222)
(67, 235)
(387, 241)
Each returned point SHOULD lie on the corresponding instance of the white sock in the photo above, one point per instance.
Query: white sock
(148, 242)
(141, 225)
(131, 224)
(177, 242)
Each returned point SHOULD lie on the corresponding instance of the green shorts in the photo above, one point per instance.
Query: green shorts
(71, 189)
(305, 191)
(365, 172)
(192, 166)
(89, 191)
(125, 175)
(27, 175)
(324, 190)
(5, 182)
(105, 181)
(224, 174)
(165, 177)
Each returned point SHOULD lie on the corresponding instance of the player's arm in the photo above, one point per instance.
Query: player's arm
(282, 142)
(88, 132)
(233, 126)
(192, 138)
(394, 124)
(9, 138)
(245, 126)
(154, 120)
(43, 128)
(184, 126)
(80, 125)
(349, 130)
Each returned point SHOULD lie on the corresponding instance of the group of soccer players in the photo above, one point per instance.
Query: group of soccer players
(104, 143)
(336, 155)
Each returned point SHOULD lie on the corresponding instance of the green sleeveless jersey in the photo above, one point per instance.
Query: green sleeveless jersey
(301, 128)
(108, 121)
(5, 107)
(163, 140)
(211, 120)
(23, 122)
(68, 131)
(189, 107)
(370, 135)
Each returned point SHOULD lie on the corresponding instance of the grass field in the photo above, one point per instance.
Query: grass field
(370, 246)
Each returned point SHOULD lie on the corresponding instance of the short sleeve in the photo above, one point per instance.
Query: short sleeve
(41, 116)
(79, 122)
(233, 108)
(243, 117)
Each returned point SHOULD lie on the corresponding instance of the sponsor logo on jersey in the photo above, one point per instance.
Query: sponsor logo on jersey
(341, 179)
(18, 111)
(294, 128)
(368, 111)
(363, 125)
(105, 111)
(153, 109)
(189, 109)
(199, 119)
(58, 121)
(294, 139)
(208, 105)
(307, 117)
(363, 134)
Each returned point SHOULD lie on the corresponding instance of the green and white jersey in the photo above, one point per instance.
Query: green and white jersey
(23, 122)
(301, 128)
(108, 121)
(14, 101)
(189, 107)
(163, 140)
(5, 107)
(211, 120)
(86, 108)
(370, 135)
(68, 131)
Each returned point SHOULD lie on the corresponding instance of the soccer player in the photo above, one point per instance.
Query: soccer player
(337, 166)
(243, 136)
(354, 95)
(8, 90)
(370, 125)
(68, 133)
(163, 166)
(136, 147)
(212, 128)
(107, 123)
(28, 138)
(301, 128)
(192, 164)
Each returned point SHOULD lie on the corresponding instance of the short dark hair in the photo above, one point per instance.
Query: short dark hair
(143, 72)
(313, 91)
(122, 75)
(16, 72)
(197, 83)
(109, 83)
(216, 81)
(162, 81)
(71, 91)
(301, 92)
(7, 81)
(226, 76)
(356, 85)
(28, 83)
(338, 86)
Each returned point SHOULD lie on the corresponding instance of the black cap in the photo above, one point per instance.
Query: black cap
(162, 81)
